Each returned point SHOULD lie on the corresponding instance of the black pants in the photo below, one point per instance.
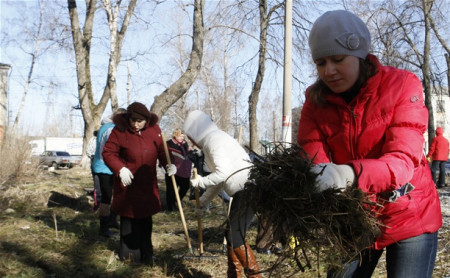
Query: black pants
(106, 187)
(240, 219)
(182, 184)
(435, 166)
(136, 239)
(97, 189)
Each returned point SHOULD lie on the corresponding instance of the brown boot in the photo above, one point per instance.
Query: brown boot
(245, 255)
(234, 265)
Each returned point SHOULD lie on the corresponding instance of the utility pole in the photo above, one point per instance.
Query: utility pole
(287, 76)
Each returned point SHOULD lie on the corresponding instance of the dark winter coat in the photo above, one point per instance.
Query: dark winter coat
(439, 146)
(380, 133)
(139, 152)
(179, 157)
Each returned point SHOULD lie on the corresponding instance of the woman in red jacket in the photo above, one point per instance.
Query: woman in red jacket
(363, 119)
(439, 153)
(131, 152)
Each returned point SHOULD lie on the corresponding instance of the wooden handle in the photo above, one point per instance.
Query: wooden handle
(175, 189)
(199, 218)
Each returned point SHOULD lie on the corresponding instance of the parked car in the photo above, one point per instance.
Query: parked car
(57, 159)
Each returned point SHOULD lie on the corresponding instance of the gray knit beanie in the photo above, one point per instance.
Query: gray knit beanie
(339, 33)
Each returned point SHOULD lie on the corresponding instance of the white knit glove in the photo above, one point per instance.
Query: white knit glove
(125, 176)
(198, 182)
(171, 169)
(331, 175)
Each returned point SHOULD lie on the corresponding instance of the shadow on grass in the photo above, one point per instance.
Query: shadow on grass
(57, 199)
(79, 264)
(78, 261)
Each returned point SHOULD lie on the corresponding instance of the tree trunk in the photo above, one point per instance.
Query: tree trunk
(82, 44)
(426, 6)
(256, 89)
(182, 85)
(37, 41)
(447, 59)
(115, 39)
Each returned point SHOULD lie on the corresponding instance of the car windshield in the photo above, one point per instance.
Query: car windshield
(62, 154)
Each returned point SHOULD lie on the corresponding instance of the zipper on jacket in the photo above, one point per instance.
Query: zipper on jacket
(352, 131)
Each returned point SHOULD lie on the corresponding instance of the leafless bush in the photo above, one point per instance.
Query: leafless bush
(16, 160)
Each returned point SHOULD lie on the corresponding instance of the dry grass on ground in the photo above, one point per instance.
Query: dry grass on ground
(49, 230)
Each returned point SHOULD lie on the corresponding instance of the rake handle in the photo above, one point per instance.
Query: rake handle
(199, 217)
(175, 189)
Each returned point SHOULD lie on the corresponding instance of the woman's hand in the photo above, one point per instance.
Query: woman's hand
(126, 176)
(198, 182)
(331, 175)
(171, 170)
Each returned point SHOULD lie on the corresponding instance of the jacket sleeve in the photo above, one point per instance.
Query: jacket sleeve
(90, 149)
(218, 156)
(160, 147)
(209, 194)
(309, 136)
(111, 152)
(402, 150)
(432, 147)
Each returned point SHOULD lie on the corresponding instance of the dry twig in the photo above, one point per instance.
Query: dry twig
(329, 227)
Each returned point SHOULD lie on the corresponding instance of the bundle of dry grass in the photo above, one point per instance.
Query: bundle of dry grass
(324, 228)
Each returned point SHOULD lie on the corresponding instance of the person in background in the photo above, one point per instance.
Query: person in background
(230, 165)
(178, 149)
(438, 152)
(362, 119)
(131, 152)
(90, 152)
(198, 159)
(104, 175)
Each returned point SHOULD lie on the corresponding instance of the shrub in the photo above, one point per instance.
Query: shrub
(15, 154)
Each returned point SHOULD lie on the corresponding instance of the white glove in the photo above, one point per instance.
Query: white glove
(125, 176)
(171, 169)
(198, 182)
(331, 175)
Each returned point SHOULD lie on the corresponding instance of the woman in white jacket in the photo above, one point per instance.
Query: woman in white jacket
(230, 166)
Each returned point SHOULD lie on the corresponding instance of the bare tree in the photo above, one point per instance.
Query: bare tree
(264, 28)
(264, 16)
(181, 86)
(82, 38)
(443, 43)
(35, 53)
(403, 38)
(115, 44)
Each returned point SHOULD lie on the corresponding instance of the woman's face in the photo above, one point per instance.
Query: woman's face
(137, 124)
(180, 138)
(338, 72)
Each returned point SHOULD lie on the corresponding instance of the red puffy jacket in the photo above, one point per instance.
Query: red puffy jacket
(439, 146)
(139, 152)
(380, 134)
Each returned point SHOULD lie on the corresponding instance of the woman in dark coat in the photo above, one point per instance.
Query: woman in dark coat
(178, 149)
(131, 152)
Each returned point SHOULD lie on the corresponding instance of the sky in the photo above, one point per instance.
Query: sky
(53, 91)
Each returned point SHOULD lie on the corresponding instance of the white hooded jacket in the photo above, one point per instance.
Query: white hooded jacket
(228, 162)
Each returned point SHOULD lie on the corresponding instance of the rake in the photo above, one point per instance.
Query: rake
(180, 208)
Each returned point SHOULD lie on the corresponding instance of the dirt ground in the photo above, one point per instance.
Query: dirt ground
(48, 229)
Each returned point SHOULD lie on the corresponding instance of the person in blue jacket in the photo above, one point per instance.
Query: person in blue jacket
(105, 176)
